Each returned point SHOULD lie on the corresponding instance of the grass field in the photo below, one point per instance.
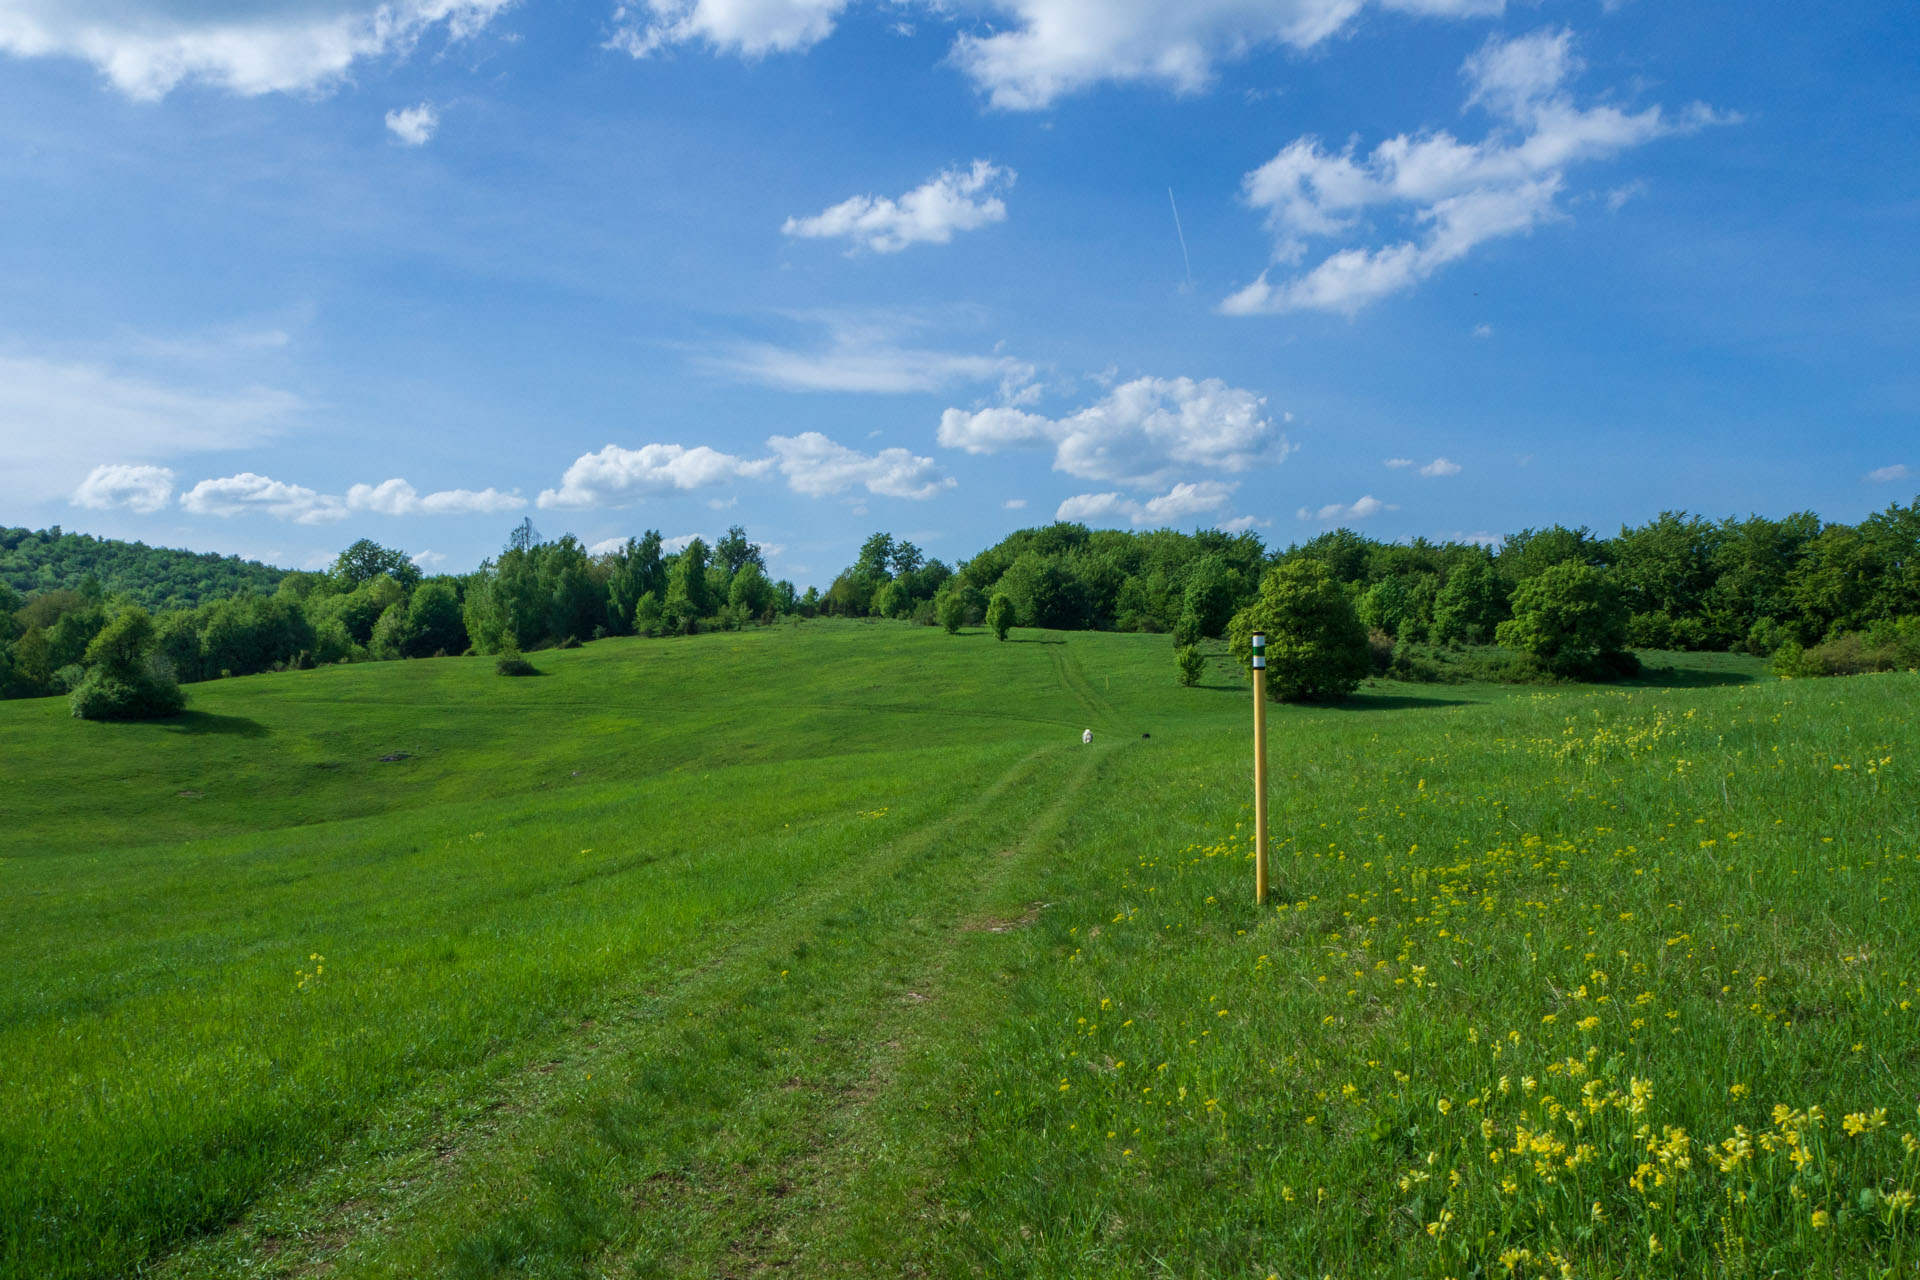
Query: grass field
(829, 950)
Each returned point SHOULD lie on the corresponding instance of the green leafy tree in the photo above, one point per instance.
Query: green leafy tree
(1470, 604)
(687, 600)
(959, 604)
(123, 681)
(1189, 664)
(1000, 614)
(366, 560)
(1211, 595)
(1568, 617)
(1316, 646)
(433, 620)
(750, 592)
(636, 570)
(734, 553)
(893, 600)
(392, 634)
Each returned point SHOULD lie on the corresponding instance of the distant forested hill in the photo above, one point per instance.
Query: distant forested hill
(50, 559)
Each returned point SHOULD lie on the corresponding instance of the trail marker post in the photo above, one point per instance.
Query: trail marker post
(1260, 768)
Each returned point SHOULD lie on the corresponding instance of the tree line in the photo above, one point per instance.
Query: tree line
(1816, 595)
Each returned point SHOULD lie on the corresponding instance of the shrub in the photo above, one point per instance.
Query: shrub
(1888, 645)
(1379, 650)
(510, 662)
(1568, 618)
(1000, 616)
(1190, 664)
(1316, 648)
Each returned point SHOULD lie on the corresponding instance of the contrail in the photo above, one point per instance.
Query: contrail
(1183, 235)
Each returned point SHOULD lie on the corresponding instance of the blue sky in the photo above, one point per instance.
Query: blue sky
(279, 277)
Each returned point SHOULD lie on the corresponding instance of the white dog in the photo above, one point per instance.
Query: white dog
(1086, 737)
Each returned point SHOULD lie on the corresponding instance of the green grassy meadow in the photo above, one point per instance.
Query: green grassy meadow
(828, 950)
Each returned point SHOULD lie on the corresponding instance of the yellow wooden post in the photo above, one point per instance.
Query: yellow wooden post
(1259, 768)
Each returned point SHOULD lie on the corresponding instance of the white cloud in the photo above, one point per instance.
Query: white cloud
(1479, 539)
(1886, 475)
(1035, 50)
(1052, 47)
(952, 200)
(428, 561)
(1483, 331)
(413, 126)
(1398, 463)
(1440, 467)
(59, 417)
(751, 28)
(1460, 195)
(1014, 504)
(680, 541)
(1240, 524)
(247, 492)
(141, 489)
(607, 546)
(1358, 510)
(1179, 503)
(817, 467)
(398, 498)
(146, 49)
(1136, 434)
(615, 476)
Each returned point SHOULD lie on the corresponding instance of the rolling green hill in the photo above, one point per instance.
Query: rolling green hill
(35, 560)
(830, 950)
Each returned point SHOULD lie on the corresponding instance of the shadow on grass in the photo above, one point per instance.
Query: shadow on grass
(1033, 640)
(1387, 702)
(205, 722)
(1686, 678)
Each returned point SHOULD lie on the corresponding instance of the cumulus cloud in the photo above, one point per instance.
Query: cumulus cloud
(751, 28)
(607, 546)
(398, 498)
(1399, 463)
(952, 200)
(818, 467)
(1440, 467)
(427, 561)
(1136, 434)
(247, 492)
(1053, 47)
(137, 488)
(1459, 194)
(413, 126)
(615, 476)
(1014, 504)
(146, 49)
(1038, 50)
(1357, 510)
(1887, 475)
(1178, 503)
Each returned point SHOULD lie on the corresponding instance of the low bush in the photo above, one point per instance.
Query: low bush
(1189, 664)
(511, 662)
(1890, 645)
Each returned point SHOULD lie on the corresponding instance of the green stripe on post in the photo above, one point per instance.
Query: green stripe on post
(1259, 651)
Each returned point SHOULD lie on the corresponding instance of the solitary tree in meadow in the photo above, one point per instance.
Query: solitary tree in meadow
(1000, 616)
(1316, 645)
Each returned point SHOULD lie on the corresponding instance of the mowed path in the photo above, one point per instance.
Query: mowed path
(730, 1118)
